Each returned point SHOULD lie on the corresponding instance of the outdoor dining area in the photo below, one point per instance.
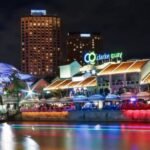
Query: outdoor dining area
(126, 100)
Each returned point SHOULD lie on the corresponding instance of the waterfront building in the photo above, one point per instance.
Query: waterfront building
(110, 77)
(77, 44)
(40, 43)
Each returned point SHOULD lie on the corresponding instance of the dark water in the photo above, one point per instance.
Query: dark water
(63, 136)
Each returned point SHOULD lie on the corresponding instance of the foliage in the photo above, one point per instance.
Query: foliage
(15, 85)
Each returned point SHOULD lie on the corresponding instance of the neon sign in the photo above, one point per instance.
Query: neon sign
(92, 57)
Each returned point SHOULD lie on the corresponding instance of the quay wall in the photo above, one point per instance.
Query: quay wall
(79, 116)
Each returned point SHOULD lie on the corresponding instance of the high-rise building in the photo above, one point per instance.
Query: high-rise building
(77, 44)
(40, 43)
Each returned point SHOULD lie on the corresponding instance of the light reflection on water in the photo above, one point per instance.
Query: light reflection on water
(30, 144)
(62, 136)
(7, 138)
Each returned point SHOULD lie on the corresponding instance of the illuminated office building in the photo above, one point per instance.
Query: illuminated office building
(80, 43)
(40, 43)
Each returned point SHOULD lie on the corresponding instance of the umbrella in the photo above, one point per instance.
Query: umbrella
(80, 98)
(65, 99)
(112, 97)
(29, 101)
(96, 97)
(127, 95)
(52, 99)
(143, 95)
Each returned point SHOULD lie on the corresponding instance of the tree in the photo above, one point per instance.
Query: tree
(15, 86)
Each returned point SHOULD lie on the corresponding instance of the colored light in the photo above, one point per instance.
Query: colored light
(132, 99)
(116, 55)
(48, 92)
(38, 12)
(92, 57)
(30, 92)
(85, 35)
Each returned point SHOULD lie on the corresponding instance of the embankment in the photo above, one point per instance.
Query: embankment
(101, 115)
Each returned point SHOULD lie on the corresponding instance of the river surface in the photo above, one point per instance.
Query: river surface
(81, 136)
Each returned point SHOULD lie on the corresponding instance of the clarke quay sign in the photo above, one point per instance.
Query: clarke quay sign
(92, 57)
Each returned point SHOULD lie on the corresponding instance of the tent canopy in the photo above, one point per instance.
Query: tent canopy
(112, 97)
(96, 97)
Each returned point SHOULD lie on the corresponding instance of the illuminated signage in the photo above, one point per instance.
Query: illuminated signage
(85, 35)
(38, 12)
(92, 57)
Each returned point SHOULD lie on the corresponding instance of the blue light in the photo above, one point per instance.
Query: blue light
(132, 99)
(85, 35)
(38, 12)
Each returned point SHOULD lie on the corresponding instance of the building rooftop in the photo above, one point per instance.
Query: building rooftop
(124, 67)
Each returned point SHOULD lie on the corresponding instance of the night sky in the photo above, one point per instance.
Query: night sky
(124, 24)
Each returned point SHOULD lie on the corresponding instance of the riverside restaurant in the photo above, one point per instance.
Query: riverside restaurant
(110, 82)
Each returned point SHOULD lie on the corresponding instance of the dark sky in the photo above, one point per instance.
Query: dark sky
(124, 24)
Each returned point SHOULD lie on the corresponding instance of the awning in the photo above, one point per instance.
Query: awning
(66, 84)
(72, 84)
(146, 79)
(90, 81)
(54, 85)
(63, 84)
(123, 67)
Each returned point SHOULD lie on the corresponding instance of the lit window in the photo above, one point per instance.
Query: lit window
(34, 48)
(30, 33)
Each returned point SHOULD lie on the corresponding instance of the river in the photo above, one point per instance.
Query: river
(74, 136)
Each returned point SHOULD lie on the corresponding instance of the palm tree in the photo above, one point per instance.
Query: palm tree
(15, 86)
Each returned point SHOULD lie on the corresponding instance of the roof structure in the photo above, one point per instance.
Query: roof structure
(87, 82)
(39, 85)
(146, 79)
(54, 85)
(6, 70)
(68, 83)
(124, 67)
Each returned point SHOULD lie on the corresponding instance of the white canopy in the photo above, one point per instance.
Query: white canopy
(144, 95)
(127, 95)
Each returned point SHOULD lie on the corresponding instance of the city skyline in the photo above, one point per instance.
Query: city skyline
(124, 25)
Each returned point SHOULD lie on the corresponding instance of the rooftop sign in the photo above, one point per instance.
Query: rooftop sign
(92, 57)
(85, 35)
(36, 12)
